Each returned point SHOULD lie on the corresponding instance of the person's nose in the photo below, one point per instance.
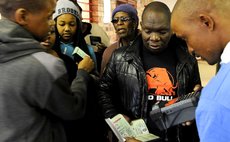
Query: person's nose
(120, 22)
(67, 28)
(154, 37)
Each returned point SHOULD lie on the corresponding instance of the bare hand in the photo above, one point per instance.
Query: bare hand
(197, 87)
(86, 64)
(129, 139)
(127, 118)
(100, 47)
(187, 123)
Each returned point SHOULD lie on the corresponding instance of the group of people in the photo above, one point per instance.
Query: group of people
(154, 63)
(50, 92)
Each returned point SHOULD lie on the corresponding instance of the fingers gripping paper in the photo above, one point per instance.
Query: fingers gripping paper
(79, 52)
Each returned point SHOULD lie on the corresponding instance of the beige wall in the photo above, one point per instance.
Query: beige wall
(169, 3)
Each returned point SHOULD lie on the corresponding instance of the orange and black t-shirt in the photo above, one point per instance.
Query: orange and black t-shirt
(161, 75)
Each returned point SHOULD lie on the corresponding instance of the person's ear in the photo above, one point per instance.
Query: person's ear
(21, 16)
(207, 21)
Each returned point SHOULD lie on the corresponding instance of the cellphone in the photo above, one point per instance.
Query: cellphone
(79, 52)
(94, 40)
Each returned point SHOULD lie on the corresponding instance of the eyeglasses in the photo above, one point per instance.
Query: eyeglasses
(122, 19)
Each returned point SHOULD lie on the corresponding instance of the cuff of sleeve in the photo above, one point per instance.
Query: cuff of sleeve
(83, 73)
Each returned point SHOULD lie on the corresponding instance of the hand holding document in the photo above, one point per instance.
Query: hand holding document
(136, 129)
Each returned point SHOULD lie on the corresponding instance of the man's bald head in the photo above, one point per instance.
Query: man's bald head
(157, 7)
(204, 25)
(188, 8)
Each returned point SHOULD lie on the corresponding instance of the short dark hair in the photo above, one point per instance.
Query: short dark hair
(8, 7)
(158, 7)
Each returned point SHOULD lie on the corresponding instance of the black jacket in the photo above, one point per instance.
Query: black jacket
(123, 85)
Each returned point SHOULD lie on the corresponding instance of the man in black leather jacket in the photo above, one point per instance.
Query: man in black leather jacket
(157, 67)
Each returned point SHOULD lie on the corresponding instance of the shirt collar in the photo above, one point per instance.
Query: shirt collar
(225, 58)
